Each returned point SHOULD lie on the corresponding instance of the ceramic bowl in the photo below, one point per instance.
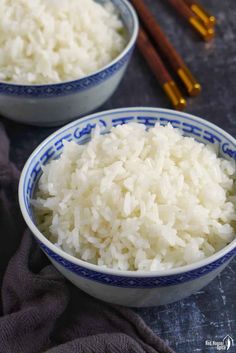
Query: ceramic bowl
(56, 104)
(128, 288)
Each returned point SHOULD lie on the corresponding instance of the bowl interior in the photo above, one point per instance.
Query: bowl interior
(125, 14)
(130, 21)
(80, 132)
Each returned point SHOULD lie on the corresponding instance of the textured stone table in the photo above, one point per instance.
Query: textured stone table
(211, 313)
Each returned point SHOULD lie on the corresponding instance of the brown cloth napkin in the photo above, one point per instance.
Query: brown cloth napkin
(41, 311)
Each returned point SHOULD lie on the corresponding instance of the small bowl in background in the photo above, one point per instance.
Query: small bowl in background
(130, 288)
(56, 104)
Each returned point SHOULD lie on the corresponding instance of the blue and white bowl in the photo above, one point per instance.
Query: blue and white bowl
(56, 104)
(127, 287)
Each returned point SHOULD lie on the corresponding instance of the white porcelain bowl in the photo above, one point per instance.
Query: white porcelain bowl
(126, 287)
(56, 104)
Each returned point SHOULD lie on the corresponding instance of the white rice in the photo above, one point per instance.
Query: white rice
(49, 41)
(138, 200)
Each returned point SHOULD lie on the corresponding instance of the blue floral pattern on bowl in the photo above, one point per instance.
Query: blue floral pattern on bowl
(80, 132)
(136, 282)
(75, 86)
(62, 89)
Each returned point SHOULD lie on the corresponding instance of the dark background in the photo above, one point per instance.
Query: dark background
(210, 313)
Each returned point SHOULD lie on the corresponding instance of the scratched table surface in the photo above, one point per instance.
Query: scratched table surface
(210, 314)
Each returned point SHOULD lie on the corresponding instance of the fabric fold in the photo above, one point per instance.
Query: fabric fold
(41, 310)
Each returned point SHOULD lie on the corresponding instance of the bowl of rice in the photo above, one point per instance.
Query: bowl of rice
(135, 206)
(62, 59)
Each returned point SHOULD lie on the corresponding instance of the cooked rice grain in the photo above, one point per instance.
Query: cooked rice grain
(138, 200)
(52, 41)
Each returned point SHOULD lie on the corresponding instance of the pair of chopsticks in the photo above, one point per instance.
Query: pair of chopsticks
(156, 63)
(196, 16)
(208, 20)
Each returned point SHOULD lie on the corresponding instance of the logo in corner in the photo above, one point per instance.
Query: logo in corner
(223, 345)
(228, 342)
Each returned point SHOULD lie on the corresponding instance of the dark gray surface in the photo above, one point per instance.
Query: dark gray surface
(211, 313)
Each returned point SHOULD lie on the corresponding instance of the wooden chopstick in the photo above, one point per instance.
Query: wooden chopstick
(208, 20)
(159, 70)
(182, 8)
(164, 45)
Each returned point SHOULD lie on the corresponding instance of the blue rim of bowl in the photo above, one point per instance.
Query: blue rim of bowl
(145, 279)
(75, 86)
